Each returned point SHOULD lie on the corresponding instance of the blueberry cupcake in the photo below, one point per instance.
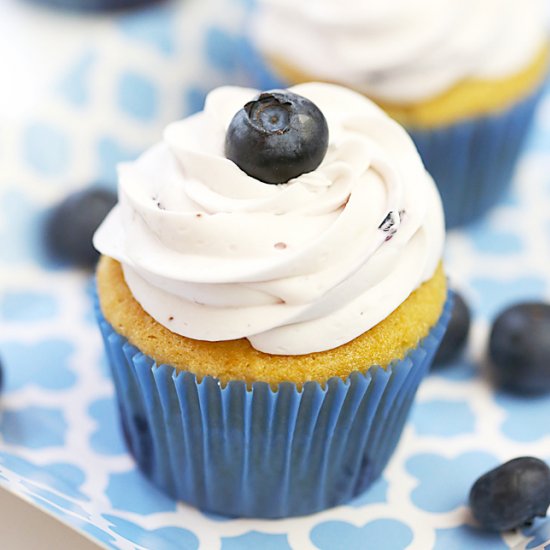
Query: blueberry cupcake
(463, 77)
(270, 295)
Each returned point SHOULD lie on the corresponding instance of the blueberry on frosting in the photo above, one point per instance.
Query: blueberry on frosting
(277, 137)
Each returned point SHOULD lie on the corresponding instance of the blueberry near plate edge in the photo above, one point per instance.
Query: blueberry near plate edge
(511, 495)
(277, 136)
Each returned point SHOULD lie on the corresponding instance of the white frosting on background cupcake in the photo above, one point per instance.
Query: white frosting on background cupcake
(401, 50)
(213, 254)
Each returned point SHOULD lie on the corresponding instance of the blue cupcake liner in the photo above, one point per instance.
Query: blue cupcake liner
(259, 452)
(473, 161)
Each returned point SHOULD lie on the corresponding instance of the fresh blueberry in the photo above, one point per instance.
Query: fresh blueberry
(519, 349)
(457, 332)
(511, 495)
(277, 136)
(71, 225)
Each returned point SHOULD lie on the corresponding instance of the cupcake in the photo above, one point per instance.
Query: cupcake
(270, 295)
(463, 77)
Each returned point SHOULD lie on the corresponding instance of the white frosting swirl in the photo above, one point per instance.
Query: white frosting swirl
(213, 254)
(402, 50)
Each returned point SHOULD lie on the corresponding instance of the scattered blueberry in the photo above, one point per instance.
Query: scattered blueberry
(71, 225)
(519, 349)
(457, 332)
(511, 495)
(277, 136)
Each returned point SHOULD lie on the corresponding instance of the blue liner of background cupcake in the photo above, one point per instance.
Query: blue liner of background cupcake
(260, 452)
(473, 161)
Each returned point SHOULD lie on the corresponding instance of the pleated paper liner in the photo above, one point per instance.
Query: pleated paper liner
(473, 161)
(256, 452)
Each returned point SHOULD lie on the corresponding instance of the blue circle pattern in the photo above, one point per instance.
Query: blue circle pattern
(443, 483)
(96, 533)
(25, 306)
(44, 364)
(132, 492)
(381, 534)
(50, 507)
(46, 149)
(107, 438)
(377, 493)
(34, 427)
(152, 27)
(20, 228)
(255, 539)
(54, 500)
(111, 152)
(526, 418)
(165, 538)
(488, 240)
(194, 99)
(138, 96)
(220, 49)
(74, 86)
(432, 418)
(490, 294)
(233, 54)
(465, 537)
(62, 477)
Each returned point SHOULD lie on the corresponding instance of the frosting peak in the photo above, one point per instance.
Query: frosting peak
(306, 266)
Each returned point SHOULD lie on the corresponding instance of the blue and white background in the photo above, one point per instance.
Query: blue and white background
(78, 96)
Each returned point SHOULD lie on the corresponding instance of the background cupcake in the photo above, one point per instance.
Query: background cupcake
(271, 337)
(463, 78)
